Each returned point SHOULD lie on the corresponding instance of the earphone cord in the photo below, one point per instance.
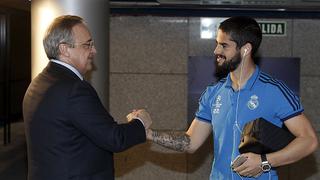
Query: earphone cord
(237, 107)
(238, 97)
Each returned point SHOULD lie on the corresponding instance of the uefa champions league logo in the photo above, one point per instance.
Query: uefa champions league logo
(217, 105)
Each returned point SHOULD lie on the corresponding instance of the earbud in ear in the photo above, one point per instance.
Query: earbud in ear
(245, 52)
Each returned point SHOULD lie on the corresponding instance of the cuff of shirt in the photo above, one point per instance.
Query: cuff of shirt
(140, 121)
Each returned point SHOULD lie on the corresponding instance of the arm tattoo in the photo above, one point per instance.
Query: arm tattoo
(175, 140)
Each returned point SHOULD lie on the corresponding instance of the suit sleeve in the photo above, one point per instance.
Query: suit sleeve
(89, 115)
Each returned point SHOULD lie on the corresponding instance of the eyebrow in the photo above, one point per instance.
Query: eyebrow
(86, 40)
(223, 44)
(89, 40)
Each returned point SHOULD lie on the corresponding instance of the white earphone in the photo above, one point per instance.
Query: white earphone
(245, 52)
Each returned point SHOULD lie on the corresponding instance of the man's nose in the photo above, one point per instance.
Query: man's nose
(94, 50)
(216, 50)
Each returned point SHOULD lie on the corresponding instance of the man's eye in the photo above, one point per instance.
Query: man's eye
(87, 45)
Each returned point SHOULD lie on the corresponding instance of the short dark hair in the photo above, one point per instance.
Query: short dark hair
(60, 30)
(243, 30)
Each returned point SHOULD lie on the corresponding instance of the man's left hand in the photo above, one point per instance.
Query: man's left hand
(252, 166)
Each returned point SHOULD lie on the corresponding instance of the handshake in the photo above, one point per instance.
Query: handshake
(143, 116)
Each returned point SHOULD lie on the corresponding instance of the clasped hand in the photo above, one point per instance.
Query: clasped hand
(141, 114)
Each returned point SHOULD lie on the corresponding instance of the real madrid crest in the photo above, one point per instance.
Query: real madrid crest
(253, 103)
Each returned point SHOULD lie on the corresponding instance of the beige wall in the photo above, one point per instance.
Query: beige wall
(148, 69)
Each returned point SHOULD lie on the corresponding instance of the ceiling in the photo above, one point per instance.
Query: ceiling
(286, 3)
(16, 4)
(310, 4)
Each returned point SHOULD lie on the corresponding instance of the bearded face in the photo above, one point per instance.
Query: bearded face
(225, 65)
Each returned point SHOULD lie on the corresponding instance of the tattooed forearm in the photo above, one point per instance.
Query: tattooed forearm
(178, 141)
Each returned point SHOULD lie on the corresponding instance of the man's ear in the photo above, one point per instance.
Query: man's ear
(246, 49)
(64, 50)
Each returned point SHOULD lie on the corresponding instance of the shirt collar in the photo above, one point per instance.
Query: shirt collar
(249, 83)
(74, 70)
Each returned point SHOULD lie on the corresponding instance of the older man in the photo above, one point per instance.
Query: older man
(70, 135)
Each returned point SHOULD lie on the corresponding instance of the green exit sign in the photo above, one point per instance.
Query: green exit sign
(273, 28)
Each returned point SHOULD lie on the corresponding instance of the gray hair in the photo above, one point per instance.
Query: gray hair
(60, 31)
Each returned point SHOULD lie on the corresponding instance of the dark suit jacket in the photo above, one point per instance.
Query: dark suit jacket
(70, 135)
